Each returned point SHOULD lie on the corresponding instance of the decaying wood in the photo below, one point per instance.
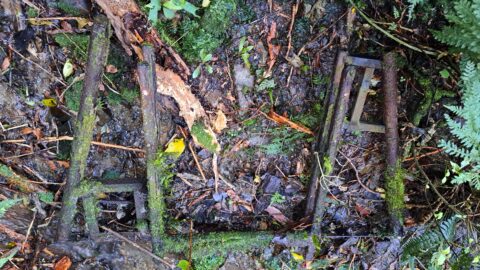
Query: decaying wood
(97, 58)
(148, 86)
(18, 181)
(326, 119)
(132, 28)
(393, 176)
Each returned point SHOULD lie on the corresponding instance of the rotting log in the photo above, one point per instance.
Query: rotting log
(327, 161)
(394, 186)
(18, 181)
(156, 201)
(325, 120)
(83, 131)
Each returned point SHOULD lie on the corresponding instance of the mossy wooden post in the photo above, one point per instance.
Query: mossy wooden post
(83, 131)
(323, 136)
(394, 187)
(156, 202)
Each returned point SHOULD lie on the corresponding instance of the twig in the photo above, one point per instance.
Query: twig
(70, 138)
(292, 23)
(199, 167)
(215, 170)
(425, 155)
(138, 246)
(356, 174)
(388, 34)
(29, 230)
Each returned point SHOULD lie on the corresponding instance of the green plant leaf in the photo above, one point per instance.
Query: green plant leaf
(190, 9)
(46, 197)
(209, 69)
(168, 13)
(196, 72)
(67, 69)
(241, 43)
(175, 4)
(154, 7)
(183, 264)
(444, 73)
(6, 204)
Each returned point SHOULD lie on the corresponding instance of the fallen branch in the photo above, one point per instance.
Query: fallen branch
(22, 183)
(97, 58)
(394, 187)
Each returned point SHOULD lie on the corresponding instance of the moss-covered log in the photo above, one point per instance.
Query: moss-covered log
(18, 181)
(151, 116)
(394, 191)
(83, 131)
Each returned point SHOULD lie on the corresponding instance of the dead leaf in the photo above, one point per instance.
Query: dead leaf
(26, 131)
(295, 60)
(39, 22)
(82, 22)
(66, 26)
(111, 69)
(273, 50)
(276, 214)
(5, 63)
(38, 133)
(220, 122)
(272, 115)
(51, 165)
(63, 264)
(364, 211)
(170, 84)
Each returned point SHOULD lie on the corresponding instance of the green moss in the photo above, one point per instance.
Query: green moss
(87, 187)
(205, 139)
(209, 263)
(68, 9)
(76, 44)
(431, 95)
(394, 192)
(217, 244)
(31, 12)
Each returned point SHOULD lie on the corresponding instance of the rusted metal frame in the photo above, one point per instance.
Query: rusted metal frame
(325, 122)
(363, 62)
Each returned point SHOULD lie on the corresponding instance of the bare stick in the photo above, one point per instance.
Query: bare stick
(97, 58)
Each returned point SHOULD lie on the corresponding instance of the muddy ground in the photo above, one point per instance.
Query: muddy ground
(264, 166)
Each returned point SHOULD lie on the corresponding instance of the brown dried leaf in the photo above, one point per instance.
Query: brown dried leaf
(364, 211)
(273, 50)
(170, 84)
(285, 121)
(220, 122)
(5, 63)
(276, 214)
(111, 69)
(63, 264)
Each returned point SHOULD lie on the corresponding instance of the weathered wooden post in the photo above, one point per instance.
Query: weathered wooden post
(83, 131)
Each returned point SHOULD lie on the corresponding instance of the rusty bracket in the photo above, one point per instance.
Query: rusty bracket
(370, 65)
(89, 200)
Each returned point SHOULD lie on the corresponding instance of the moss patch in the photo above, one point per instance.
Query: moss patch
(394, 192)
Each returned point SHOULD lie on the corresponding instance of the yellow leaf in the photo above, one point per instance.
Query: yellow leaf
(67, 68)
(82, 22)
(176, 147)
(39, 22)
(205, 3)
(296, 256)
(49, 102)
(220, 122)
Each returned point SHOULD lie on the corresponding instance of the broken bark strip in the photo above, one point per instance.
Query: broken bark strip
(326, 120)
(151, 116)
(328, 160)
(394, 191)
(18, 181)
(97, 58)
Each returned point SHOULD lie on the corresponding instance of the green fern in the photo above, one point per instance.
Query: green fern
(467, 132)
(423, 247)
(411, 7)
(463, 33)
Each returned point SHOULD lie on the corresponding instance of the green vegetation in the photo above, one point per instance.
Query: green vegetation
(76, 45)
(244, 52)
(283, 141)
(277, 198)
(395, 190)
(6, 204)
(169, 8)
(204, 58)
(31, 12)
(68, 8)
(433, 249)
(431, 95)
(463, 33)
(206, 33)
(466, 132)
